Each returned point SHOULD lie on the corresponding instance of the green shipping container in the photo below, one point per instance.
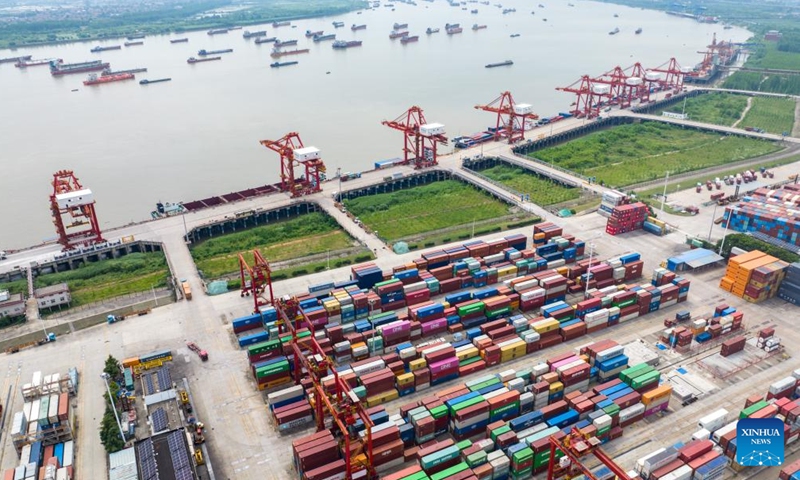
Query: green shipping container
(480, 380)
(498, 313)
(526, 473)
(476, 459)
(485, 384)
(417, 476)
(464, 444)
(467, 403)
(439, 412)
(521, 456)
(753, 409)
(636, 370)
(541, 458)
(444, 455)
(469, 361)
(502, 410)
(460, 467)
(263, 347)
(288, 338)
(612, 409)
(499, 431)
(645, 379)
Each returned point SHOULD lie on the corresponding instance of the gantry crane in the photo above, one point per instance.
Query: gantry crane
(637, 85)
(674, 75)
(255, 280)
(586, 104)
(292, 152)
(341, 403)
(69, 197)
(420, 138)
(518, 113)
(575, 445)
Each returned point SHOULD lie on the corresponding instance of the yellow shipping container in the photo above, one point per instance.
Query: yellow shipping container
(417, 364)
(509, 270)
(746, 257)
(563, 271)
(382, 398)
(544, 326)
(130, 362)
(656, 394)
(556, 387)
(467, 353)
(405, 379)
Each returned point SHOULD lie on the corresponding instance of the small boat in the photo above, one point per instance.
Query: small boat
(474, 11)
(358, 27)
(638, 31)
(431, 30)
(266, 40)
(478, 27)
(205, 59)
(282, 64)
(157, 80)
(405, 40)
(338, 24)
(614, 32)
(616, 16)
(136, 37)
(131, 44)
(249, 34)
(218, 31)
(500, 64)
(179, 40)
(310, 34)
(514, 35)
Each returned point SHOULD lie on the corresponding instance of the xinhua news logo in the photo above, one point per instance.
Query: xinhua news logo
(759, 442)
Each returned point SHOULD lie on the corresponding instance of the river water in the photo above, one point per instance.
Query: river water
(198, 135)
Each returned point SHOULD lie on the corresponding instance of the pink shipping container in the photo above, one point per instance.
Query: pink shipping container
(435, 326)
(444, 365)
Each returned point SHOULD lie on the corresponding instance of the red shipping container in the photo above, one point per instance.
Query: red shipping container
(326, 471)
(694, 449)
(702, 460)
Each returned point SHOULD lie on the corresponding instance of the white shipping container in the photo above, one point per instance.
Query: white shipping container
(52, 409)
(540, 369)
(602, 422)
(517, 384)
(430, 129)
(75, 199)
(609, 353)
(701, 434)
(782, 385)
(284, 394)
(681, 473)
(19, 473)
(306, 153)
(718, 433)
(497, 392)
(61, 474)
(631, 411)
(714, 420)
(35, 407)
(37, 379)
(25, 455)
(69, 449)
(523, 109)
(640, 462)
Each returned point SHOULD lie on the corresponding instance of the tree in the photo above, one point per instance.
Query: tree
(112, 368)
(109, 432)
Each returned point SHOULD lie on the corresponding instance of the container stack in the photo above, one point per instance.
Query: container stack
(290, 408)
(790, 286)
(626, 218)
(771, 212)
(790, 472)
(654, 226)
(767, 340)
(754, 276)
(733, 345)
(611, 200)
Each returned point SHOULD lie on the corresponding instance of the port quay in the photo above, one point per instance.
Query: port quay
(245, 443)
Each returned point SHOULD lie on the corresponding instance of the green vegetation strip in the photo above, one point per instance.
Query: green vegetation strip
(313, 267)
(309, 234)
(717, 108)
(98, 281)
(636, 153)
(771, 114)
(542, 190)
(746, 242)
(425, 208)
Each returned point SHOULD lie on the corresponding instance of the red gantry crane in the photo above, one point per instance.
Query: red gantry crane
(335, 398)
(420, 138)
(585, 104)
(71, 198)
(673, 75)
(255, 280)
(575, 446)
(512, 128)
(293, 153)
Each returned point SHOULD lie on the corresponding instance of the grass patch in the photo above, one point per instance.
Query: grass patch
(635, 153)
(759, 82)
(769, 56)
(746, 242)
(774, 115)
(425, 208)
(460, 234)
(297, 237)
(717, 108)
(98, 281)
(542, 190)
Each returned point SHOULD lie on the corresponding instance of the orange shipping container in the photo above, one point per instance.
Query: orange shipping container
(656, 394)
(63, 407)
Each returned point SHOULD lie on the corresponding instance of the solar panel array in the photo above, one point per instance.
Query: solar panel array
(148, 382)
(160, 421)
(180, 457)
(147, 460)
(164, 379)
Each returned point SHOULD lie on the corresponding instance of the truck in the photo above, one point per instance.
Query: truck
(51, 337)
(187, 290)
(119, 318)
(200, 352)
(3, 255)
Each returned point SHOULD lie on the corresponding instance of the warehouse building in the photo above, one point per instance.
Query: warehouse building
(53, 296)
(11, 305)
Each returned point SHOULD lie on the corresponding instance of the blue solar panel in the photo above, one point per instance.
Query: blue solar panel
(147, 460)
(159, 420)
(148, 380)
(164, 379)
(180, 456)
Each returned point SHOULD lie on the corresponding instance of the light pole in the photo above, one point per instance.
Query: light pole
(666, 179)
(339, 174)
(588, 268)
(713, 217)
(725, 234)
(104, 376)
(185, 230)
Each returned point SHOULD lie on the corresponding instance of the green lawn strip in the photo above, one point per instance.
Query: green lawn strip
(768, 56)
(18, 286)
(459, 234)
(774, 115)
(425, 208)
(542, 190)
(717, 108)
(635, 153)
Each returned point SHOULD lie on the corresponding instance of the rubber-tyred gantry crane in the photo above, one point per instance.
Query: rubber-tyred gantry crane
(70, 198)
(575, 446)
(674, 75)
(512, 128)
(293, 153)
(256, 280)
(420, 138)
(340, 402)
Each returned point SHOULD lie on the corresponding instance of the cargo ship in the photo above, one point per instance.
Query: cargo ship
(15, 59)
(338, 24)
(135, 37)
(394, 35)
(343, 44)
(478, 27)
(205, 52)
(614, 32)
(431, 30)
(322, 38)
(206, 59)
(280, 24)
(249, 34)
(219, 31)
(405, 40)
(103, 49)
(266, 40)
(638, 31)
(33, 63)
(157, 80)
(131, 44)
(57, 67)
(286, 43)
(95, 80)
(448, 26)
(499, 64)
(280, 53)
(282, 64)
(179, 40)
(451, 31)
(108, 71)
(358, 27)
(310, 34)
(398, 26)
